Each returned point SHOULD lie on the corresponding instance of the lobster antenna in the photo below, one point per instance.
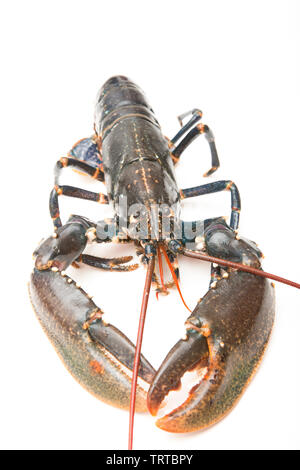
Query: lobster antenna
(138, 348)
(240, 267)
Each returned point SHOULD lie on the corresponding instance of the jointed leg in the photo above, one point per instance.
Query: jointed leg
(190, 137)
(72, 192)
(196, 116)
(91, 170)
(85, 156)
(110, 264)
(101, 232)
(215, 187)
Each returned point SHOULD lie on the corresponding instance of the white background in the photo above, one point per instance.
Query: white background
(239, 63)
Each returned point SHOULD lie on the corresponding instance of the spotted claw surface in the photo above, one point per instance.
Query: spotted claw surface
(227, 335)
(97, 354)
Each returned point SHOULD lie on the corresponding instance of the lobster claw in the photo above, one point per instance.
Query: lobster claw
(227, 334)
(97, 354)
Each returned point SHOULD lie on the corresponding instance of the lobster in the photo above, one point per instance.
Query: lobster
(228, 330)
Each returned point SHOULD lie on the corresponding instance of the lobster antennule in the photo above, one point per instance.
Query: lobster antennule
(161, 273)
(174, 276)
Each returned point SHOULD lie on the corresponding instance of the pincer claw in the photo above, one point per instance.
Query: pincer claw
(96, 353)
(227, 334)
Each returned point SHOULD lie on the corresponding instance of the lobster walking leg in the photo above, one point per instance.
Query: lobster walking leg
(235, 208)
(84, 156)
(195, 132)
(72, 192)
(216, 187)
(196, 116)
(83, 166)
(110, 264)
(190, 137)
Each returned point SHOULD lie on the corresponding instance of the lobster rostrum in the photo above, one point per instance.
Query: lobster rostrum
(226, 333)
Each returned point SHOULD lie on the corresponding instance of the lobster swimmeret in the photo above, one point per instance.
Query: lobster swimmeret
(227, 332)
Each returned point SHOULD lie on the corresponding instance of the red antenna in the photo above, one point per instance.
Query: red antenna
(138, 348)
(240, 267)
(191, 254)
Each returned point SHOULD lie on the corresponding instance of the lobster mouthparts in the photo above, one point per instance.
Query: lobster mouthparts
(227, 334)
